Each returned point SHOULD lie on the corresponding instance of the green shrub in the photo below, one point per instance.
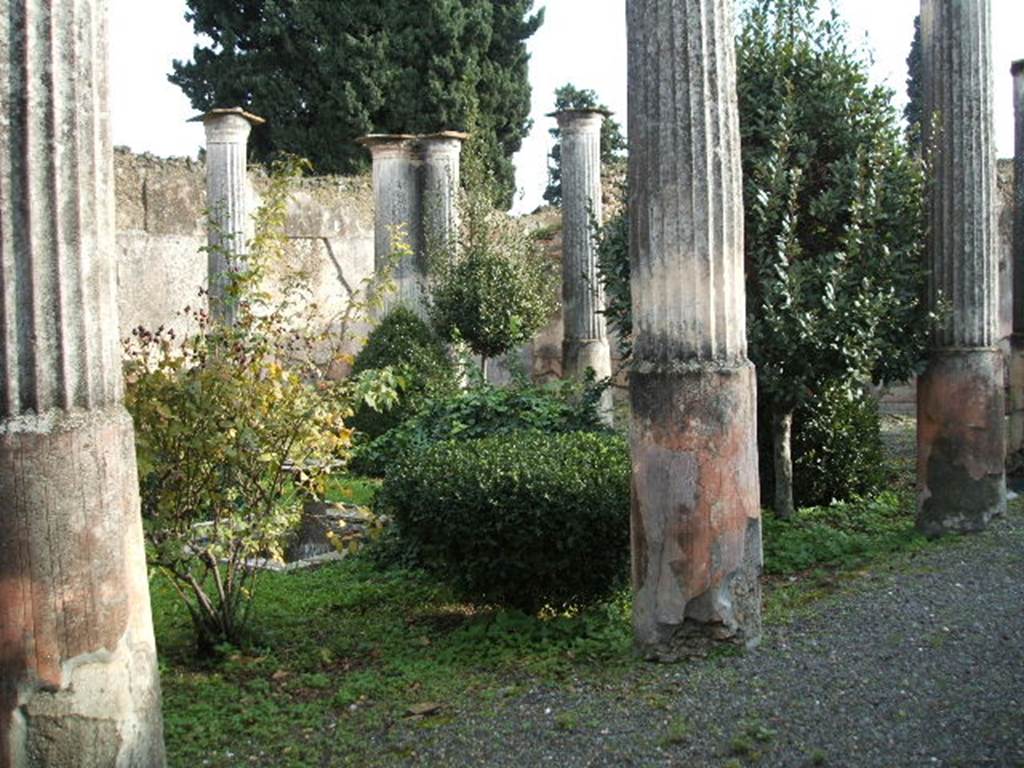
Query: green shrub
(838, 452)
(482, 411)
(405, 343)
(524, 520)
(837, 448)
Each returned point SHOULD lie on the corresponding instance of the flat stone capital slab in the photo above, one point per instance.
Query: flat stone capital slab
(228, 126)
(580, 120)
(441, 145)
(386, 146)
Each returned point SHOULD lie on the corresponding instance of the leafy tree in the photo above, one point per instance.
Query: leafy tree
(834, 233)
(833, 218)
(491, 285)
(328, 71)
(914, 109)
(613, 143)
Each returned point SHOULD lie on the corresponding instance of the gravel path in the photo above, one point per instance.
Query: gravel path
(921, 664)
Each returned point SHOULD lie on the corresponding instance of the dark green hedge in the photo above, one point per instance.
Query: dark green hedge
(524, 520)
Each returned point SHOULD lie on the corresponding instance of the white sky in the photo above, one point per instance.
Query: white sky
(582, 41)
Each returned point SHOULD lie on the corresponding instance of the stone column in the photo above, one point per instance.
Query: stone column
(960, 431)
(398, 214)
(227, 141)
(1015, 447)
(441, 155)
(78, 677)
(696, 527)
(585, 342)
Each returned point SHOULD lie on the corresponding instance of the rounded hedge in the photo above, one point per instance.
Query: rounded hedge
(484, 411)
(524, 520)
(404, 341)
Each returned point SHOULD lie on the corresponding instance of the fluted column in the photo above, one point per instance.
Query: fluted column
(227, 142)
(398, 215)
(78, 677)
(1015, 447)
(585, 343)
(960, 404)
(441, 155)
(696, 510)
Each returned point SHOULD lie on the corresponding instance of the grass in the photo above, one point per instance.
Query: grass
(346, 653)
(345, 650)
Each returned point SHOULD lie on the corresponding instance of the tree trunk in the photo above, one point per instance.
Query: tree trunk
(483, 369)
(782, 435)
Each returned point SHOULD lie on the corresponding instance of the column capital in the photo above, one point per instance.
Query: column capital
(580, 120)
(1017, 67)
(228, 125)
(442, 143)
(382, 145)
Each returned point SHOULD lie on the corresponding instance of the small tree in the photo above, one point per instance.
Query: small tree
(833, 218)
(236, 426)
(492, 288)
(613, 143)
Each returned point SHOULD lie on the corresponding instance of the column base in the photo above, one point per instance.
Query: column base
(696, 519)
(580, 354)
(79, 684)
(961, 451)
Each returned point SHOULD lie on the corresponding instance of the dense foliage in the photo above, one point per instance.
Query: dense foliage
(833, 217)
(837, 448)
(491, 286)
(524, 520)
(236, 425)
(328, 71)
(483, 411)
(614, 274)
(408, 346)
(613, 143)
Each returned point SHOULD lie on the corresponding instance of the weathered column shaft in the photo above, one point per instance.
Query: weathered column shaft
(227, 141)
(696, 508)
(79, 684)
(585, 343)
(441, 156)
(1017, 72)
(1015, 446)
(961, 442)
(398, 214)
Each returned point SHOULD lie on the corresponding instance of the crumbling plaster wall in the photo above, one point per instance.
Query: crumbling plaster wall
(161, 233)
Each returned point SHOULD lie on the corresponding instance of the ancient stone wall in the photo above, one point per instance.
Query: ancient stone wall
(161, 233)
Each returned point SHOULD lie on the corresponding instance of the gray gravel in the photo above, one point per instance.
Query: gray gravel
(921, 664)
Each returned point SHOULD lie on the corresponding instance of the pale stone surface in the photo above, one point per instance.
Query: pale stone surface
(399, 215)
(960, 397)
(162, 264)
(441, 155)
(78, 675)
(696, 508)
(227, 142)
(585, 344)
